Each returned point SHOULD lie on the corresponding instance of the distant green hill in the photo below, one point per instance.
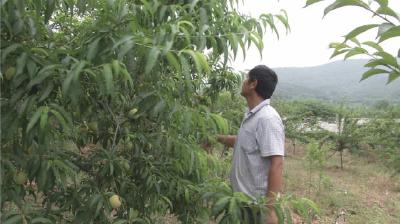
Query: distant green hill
(337, 81)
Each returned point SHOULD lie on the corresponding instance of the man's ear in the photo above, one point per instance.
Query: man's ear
(253, 84)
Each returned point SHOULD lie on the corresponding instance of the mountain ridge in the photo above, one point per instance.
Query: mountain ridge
(336, 81)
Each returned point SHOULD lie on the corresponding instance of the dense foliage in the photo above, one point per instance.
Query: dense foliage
(105, 98)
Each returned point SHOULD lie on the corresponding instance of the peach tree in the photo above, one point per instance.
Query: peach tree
(104, 104)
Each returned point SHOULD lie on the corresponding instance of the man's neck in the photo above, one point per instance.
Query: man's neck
(253, 101)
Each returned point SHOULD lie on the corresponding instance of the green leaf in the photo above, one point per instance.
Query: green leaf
(268, 18)
(43, 74)
(392, 32)
(338, 46)
(288, 216)
(116, 67)
(135, 213)
(221, 123)
(127, 45)
(73, 76)
(193, 4)
(187, 196)
(185, 22)
(196, 60)
(41, 220)
(43, 118)
(40, 51)
(34, 118)
(14, 219)
(123, 40)
(383, 28)
(233, 209)
(279, 213)
(99, 207)
(49, 10)
(388, 58)
(203, 61)
(257, 40)
(120, 221)
(151, 59)
(173, 61)
(341, 3)
(8, 50)
(393, 76)
(108, 78)
(310, 2)
(220, 205)
(355, 51)
(203, 19)
(95, 200)
(339, 52)
(375, 62)
(127, 76)
(354, 40)
(233, 41)
(61, 119)
(310, 204)
(32, 68)
(46, 91)
(93, 49)
(184, 64)
(225, 50)
(159, 107)
(360, 30)
(373, 45)
(62, 111)
(167, 47)
(383, 3)
(241, 42)
(284, 20)
(372, 72)
(21, 63)
(384, 10)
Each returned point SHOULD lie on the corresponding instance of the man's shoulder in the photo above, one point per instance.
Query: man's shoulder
(268, 113)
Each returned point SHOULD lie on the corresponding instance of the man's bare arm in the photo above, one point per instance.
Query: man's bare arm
(228, 140)
(275, 185)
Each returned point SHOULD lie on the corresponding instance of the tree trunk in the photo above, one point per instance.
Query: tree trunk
(341, 159)
(294, 146)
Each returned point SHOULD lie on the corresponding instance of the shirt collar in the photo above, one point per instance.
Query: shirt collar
(257, 108)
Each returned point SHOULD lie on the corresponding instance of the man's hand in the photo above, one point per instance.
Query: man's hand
(275, 184)
(206, 145)
(228, 140)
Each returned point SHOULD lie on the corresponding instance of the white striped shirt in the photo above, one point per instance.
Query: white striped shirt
(260, 136)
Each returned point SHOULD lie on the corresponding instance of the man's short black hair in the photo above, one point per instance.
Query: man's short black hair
(266, 80)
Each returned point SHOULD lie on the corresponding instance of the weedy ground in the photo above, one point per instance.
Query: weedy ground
(364, 192)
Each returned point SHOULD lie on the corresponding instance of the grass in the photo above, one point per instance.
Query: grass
(363, 192)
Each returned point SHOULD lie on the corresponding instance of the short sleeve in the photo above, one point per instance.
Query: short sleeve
(270, 136)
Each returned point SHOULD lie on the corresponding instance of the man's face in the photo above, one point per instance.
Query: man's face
(248, 86)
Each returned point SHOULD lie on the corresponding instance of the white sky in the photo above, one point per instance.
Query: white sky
(307, 43)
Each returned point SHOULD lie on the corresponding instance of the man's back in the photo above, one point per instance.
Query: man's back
(261, 135)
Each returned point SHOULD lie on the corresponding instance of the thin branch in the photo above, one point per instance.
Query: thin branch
(380, 16)
(115, 136)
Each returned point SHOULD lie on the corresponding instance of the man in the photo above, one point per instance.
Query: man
(259, 145)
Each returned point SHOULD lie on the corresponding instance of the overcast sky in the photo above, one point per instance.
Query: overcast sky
(307, 43)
